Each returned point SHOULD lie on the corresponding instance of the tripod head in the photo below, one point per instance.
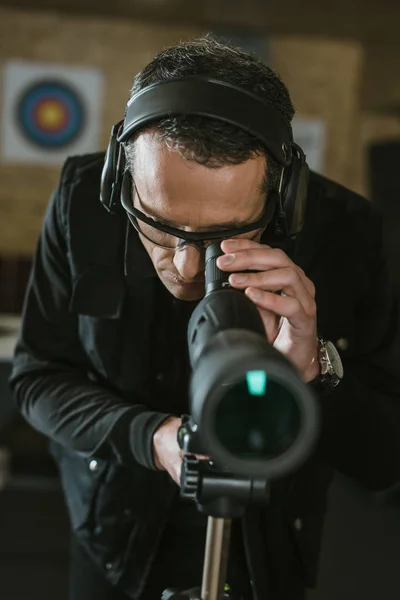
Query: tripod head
(216, 491)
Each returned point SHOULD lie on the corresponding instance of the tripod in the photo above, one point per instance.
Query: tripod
(221, 496)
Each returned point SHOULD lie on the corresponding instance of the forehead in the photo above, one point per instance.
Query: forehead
(166, 172)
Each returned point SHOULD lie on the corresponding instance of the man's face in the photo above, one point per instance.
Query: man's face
(192, 197)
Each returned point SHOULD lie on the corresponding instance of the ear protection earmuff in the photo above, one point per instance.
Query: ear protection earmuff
(113, 169)
(219, 100)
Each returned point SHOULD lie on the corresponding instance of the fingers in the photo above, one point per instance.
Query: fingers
(257, 257)
(284, 306)
(287, 280)
(239, 244)
(246, 255)
(274, 271)
(282, 293)
(271, 323)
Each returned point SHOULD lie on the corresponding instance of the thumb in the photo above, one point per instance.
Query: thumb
(271, 323)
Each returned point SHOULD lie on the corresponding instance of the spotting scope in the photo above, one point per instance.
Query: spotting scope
(251, 411)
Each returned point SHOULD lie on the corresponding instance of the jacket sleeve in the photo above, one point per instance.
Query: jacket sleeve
(48, 379)
(361, 417)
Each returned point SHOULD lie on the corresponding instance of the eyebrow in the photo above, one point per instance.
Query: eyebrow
(227, 225)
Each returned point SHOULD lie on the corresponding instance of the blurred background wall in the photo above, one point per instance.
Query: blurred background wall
(341, 62)
(347, 83)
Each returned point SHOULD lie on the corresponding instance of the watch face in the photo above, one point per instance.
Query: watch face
(336, 361)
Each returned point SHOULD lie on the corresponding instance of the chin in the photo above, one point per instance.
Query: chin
(184, 291)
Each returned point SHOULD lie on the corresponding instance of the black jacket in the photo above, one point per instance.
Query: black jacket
(102, 360)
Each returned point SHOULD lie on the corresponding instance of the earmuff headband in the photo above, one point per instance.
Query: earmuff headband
(215, 99)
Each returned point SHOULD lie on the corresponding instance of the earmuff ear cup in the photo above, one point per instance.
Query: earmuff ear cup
(111, 175)
(294, 193)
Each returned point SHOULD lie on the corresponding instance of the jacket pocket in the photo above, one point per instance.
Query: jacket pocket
(127, 518)
(98, 292)
(81, 478)
(97, 299)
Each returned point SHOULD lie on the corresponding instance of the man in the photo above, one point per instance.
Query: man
(101, 366)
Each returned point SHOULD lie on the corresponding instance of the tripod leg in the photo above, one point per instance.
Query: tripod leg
(216, 558)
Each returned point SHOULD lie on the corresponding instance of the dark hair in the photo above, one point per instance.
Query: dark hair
(205, 140)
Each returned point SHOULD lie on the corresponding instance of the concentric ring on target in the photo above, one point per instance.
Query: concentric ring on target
(50, 114)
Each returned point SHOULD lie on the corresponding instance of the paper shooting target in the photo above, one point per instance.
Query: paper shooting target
(50, 114)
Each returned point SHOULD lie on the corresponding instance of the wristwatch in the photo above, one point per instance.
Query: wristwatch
(331, 367)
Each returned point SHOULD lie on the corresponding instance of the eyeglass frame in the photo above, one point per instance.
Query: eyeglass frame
(193, 238)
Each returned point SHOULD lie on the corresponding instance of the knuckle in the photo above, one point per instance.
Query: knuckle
(293, 275)
(311, 308)
(296, 274)
(296, 306)
(280, 254)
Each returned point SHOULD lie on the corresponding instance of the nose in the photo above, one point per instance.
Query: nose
(189, 263)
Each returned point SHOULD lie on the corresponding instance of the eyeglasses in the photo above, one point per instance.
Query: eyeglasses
(173, 238)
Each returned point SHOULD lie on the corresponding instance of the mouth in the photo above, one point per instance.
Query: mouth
(181, 282)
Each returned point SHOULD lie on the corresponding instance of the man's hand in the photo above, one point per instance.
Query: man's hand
(167, 454)
(284, 296)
